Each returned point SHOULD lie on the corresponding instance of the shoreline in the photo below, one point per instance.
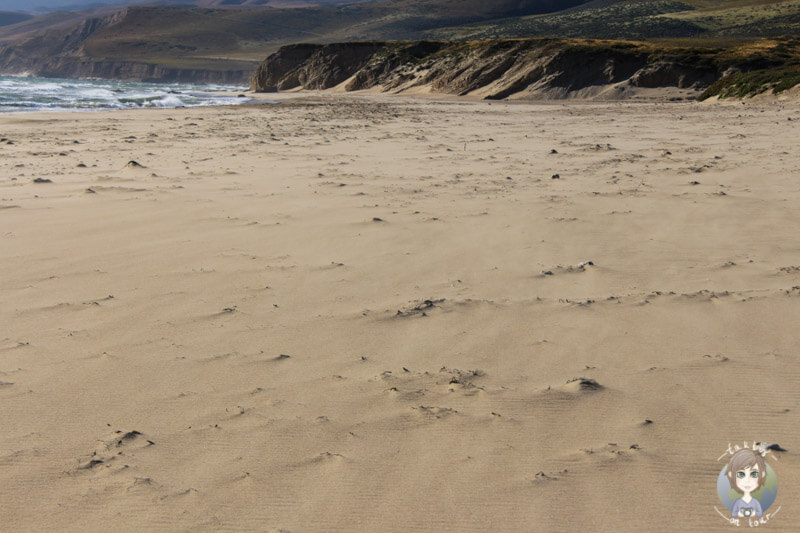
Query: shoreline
(251, 98)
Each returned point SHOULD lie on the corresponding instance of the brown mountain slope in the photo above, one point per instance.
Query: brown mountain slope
(30, 27)
(278, 4)
(218, 40)
(235, 39)
(160, 33)
(644, 19)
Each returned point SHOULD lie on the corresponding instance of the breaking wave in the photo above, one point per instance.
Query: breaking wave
(40, 94)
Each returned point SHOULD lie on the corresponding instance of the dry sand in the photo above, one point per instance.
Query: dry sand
(364, 313)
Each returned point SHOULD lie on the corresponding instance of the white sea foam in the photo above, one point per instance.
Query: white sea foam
(32, 94)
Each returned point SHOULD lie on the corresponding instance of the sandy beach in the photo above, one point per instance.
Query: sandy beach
(383, 313)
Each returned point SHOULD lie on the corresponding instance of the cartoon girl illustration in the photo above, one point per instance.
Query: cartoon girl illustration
(746, 473)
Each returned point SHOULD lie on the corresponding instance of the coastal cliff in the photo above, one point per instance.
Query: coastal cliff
(77, 68)
(134, 71)
(66, 53)
(500, 69)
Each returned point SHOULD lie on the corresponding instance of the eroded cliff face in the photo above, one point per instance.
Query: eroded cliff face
(133, 71)
(79, 68)
(313, 66)
(537, 68)
(61, 54)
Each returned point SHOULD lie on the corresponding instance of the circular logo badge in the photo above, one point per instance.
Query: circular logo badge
(747, 486)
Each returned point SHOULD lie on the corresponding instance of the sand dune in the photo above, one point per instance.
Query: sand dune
(367, 313)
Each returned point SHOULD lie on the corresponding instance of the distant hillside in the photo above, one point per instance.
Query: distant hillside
(256, 4)
(159, 42)
(182, 41)
(646, 19)
(12, 17)
(45, 6)
(30, 27)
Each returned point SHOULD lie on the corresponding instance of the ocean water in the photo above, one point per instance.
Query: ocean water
(47, 94)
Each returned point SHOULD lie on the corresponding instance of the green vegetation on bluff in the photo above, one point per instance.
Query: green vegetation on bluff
(758, 67)
(634, 20)
(646, 19)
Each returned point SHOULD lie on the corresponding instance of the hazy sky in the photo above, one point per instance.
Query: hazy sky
(31, 5)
